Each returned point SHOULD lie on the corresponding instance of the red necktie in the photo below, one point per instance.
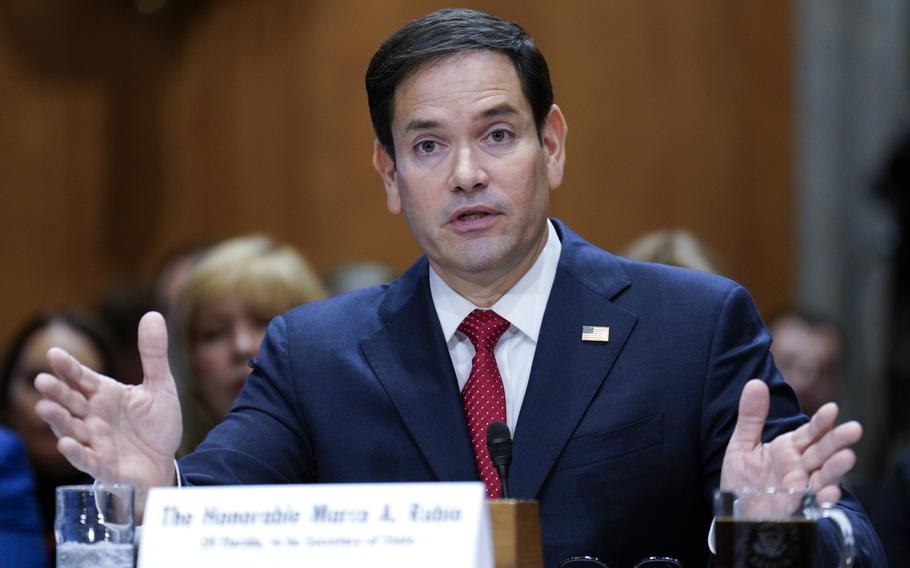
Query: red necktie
(483, 395)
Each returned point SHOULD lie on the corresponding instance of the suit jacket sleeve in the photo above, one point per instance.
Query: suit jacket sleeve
(263, 439)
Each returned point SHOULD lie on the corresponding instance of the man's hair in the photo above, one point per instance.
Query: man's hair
(445, 33)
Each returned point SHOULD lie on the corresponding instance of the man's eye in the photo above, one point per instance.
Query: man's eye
(427, 146)
(498, 135)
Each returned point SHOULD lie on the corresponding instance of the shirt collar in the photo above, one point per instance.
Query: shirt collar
(523, 305)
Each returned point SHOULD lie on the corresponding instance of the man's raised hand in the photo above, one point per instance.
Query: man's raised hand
(112, 431)
(814, 456)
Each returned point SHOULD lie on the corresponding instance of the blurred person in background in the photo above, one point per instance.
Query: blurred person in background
(219, 319)
(809, 351)
(123, 304)
(674, 247)
(172, 273)
(21, 536)
(25, 358)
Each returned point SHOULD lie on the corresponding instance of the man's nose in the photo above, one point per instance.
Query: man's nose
(468, 174)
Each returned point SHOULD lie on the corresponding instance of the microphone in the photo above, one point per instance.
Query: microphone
(499, 444)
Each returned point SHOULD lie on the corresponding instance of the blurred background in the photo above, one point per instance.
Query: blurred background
(131, 129)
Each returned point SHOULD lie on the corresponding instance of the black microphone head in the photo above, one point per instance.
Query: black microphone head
(499, 443)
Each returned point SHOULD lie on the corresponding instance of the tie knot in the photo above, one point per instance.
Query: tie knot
(484, 328)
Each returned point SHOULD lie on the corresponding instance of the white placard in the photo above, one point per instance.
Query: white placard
(273, 526)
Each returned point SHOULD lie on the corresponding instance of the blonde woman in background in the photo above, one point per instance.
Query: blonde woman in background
(219, 320)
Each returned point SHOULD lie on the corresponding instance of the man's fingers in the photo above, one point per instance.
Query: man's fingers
(58, 391)
(61, 421)
(832, 442)
(153, 349)
(753, 410)
(82, 457)
(829, 494)
(833, 470)
(821, 423)
(68, 369)
(52, 413)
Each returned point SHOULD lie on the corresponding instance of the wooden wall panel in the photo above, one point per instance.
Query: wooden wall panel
(125, 135)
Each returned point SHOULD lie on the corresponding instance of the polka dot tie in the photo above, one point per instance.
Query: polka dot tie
(483, 395)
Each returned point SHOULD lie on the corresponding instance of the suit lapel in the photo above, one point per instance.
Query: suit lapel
(411, 360)
(567, 373)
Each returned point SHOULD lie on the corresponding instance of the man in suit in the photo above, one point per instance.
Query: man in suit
(620, 380)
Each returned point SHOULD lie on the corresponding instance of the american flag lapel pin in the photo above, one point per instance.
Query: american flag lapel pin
(596, 333)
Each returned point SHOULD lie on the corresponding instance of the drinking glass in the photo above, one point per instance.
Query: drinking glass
(94, 526)
(761, 528)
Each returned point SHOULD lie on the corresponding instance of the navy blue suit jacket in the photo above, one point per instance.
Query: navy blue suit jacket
(621, 442)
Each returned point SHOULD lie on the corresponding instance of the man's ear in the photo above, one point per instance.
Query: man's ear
(553, 136)
(385, 165)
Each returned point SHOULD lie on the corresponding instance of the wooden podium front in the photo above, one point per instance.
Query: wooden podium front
(516, 533)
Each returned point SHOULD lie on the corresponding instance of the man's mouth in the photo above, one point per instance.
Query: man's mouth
(472, 215)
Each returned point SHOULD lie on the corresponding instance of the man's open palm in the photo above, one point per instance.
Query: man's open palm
(815, 456)
(112, 431)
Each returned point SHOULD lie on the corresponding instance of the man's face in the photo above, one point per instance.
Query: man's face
(471, 174)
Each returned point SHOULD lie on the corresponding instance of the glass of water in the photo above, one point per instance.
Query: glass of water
(94, 526)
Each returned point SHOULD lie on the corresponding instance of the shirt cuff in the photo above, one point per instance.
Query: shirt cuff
(180, 484)
(711, 537)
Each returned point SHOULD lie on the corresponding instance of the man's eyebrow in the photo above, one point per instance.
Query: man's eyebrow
(498, 110)
(420, 124)
(502, 109)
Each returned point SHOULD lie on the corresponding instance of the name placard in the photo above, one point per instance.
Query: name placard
(369, 524)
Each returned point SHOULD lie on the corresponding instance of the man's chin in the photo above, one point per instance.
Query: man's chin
(488, 270)
(479, 258)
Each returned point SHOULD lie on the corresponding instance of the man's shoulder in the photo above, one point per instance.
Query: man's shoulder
(621, 276)
(662, 276)
(355, 309)
(333, 324)
(357, 313)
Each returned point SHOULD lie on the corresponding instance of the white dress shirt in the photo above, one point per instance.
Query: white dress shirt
(523, 306)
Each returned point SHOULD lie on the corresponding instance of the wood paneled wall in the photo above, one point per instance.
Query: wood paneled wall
(124, 135)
